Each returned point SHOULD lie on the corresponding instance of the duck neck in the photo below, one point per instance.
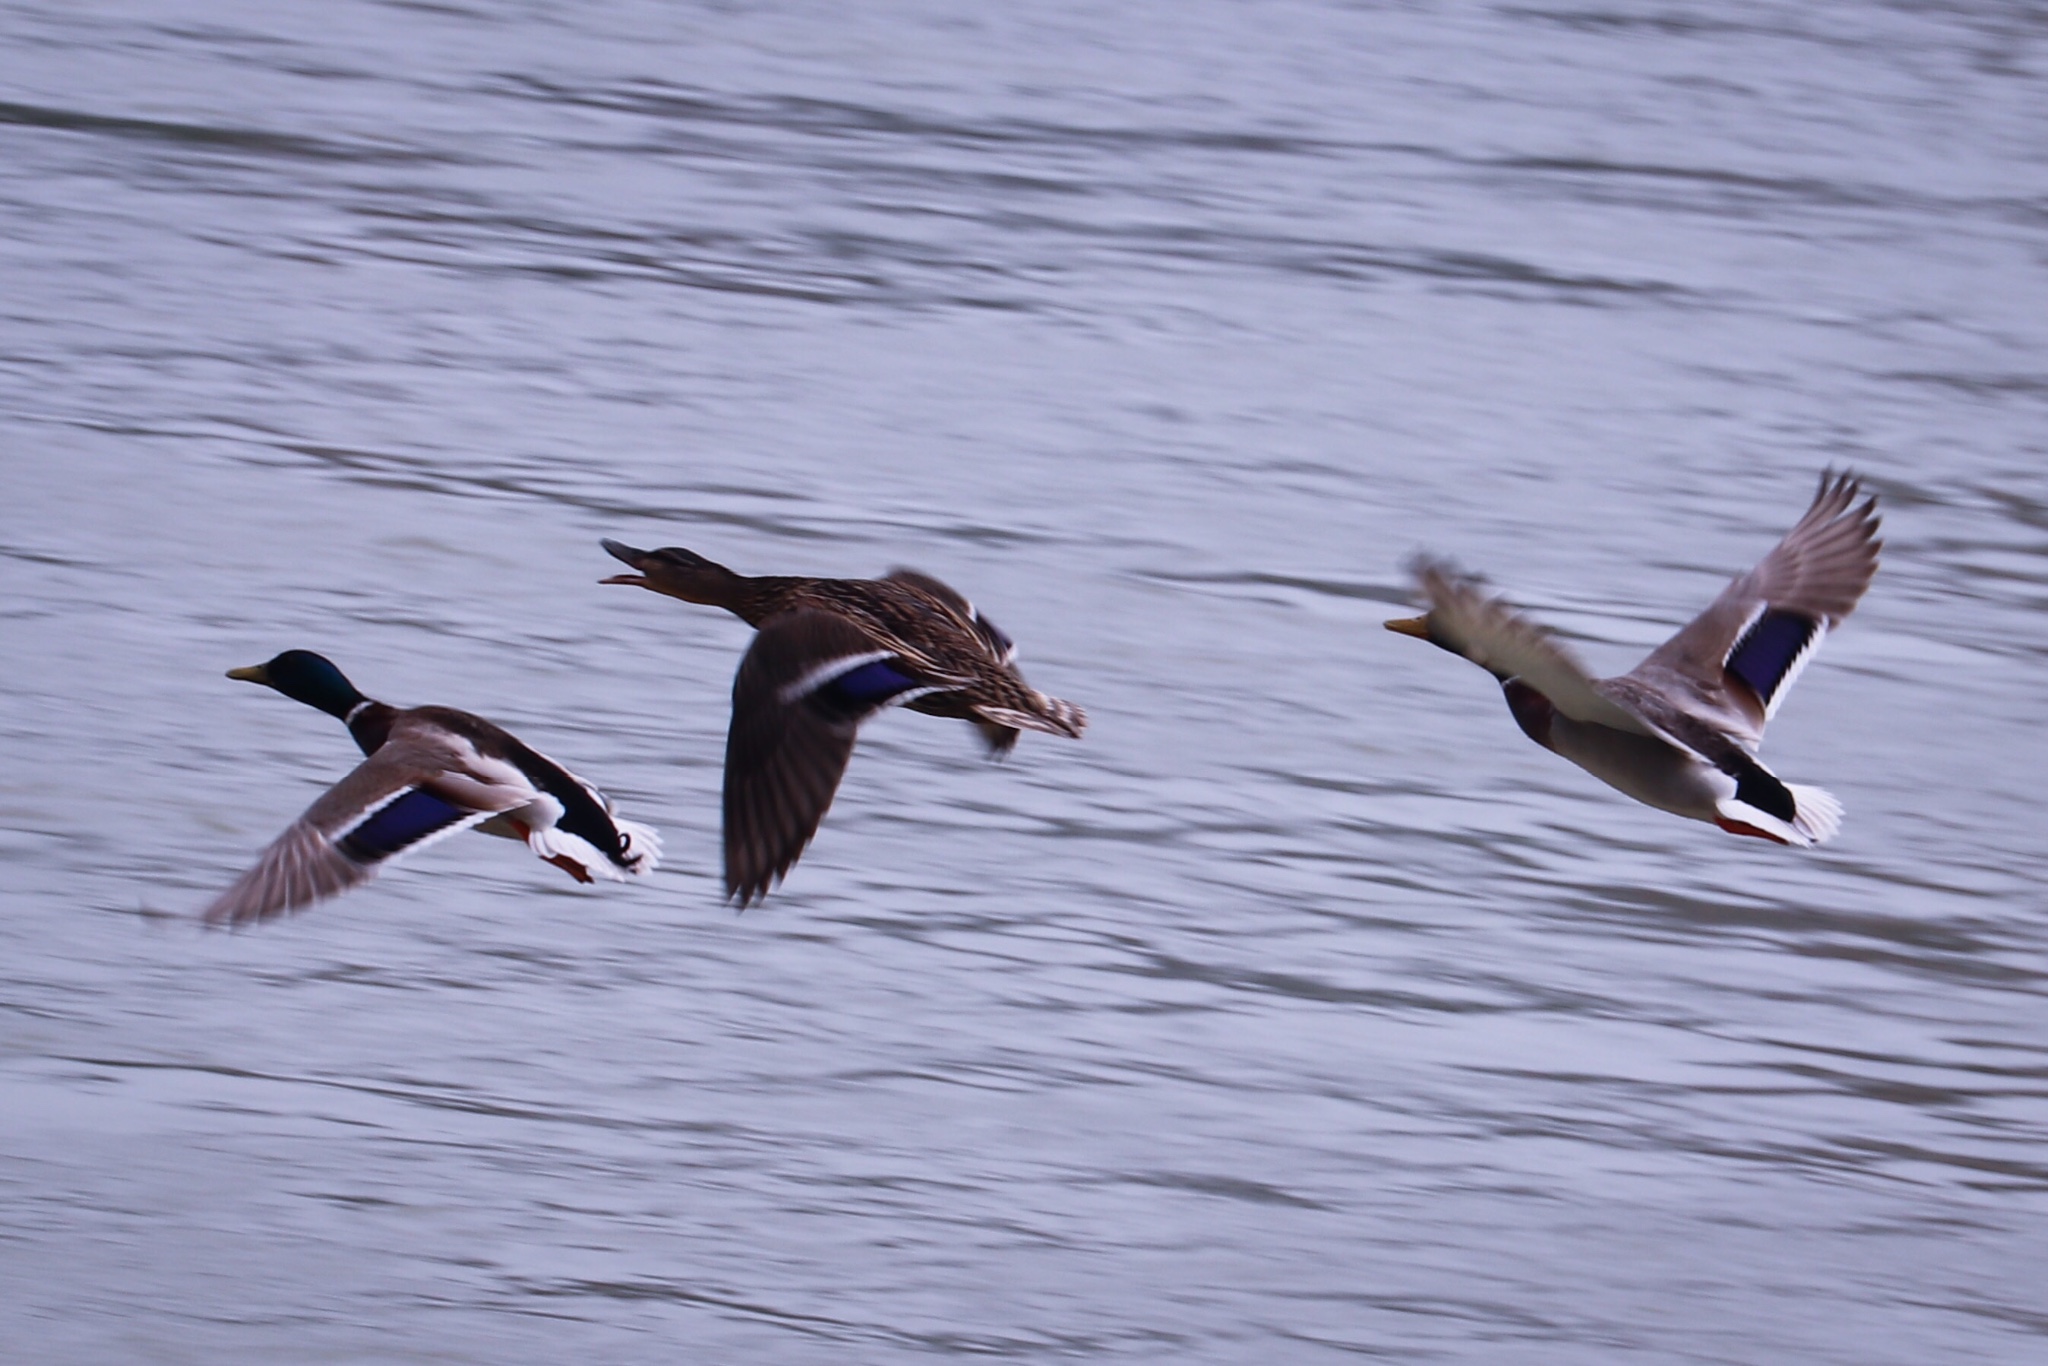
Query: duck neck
(369, 723)
(1533, 711)
(753, 600)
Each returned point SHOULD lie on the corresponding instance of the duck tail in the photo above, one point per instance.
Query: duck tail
(1049, 715)
(639, 847)
(1067, 719)
(640, 850)
(1818, 815)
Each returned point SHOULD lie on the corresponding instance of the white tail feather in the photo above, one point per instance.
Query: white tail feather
(1819, 815)
(643, 846)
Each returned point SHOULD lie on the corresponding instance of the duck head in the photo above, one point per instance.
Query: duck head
(1422, 628)
(1426, 627)
(677, 572)
(305, 677)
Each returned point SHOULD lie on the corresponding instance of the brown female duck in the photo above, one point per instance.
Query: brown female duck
(831, 653)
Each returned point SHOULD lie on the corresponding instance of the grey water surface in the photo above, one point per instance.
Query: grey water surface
(1303, 1011)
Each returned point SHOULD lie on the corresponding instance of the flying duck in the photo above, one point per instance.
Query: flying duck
(829, 654)
(1680, 731)
(431, 771)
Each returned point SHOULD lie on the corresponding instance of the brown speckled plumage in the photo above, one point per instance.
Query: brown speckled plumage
(831, 653)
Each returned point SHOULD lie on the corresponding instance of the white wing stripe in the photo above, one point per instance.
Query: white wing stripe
(826, 672)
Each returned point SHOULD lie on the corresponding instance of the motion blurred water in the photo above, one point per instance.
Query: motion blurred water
(1304, 1010)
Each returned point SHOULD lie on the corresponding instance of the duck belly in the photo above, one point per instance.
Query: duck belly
(1653, 771)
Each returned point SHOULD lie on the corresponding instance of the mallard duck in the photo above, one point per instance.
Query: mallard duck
(1680, 732)
(431, 771)
(830, 653)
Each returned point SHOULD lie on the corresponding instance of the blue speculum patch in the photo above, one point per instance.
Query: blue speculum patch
(1765, 653)
(869, 685)
(400, 825)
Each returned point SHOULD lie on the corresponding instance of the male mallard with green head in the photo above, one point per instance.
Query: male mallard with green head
(430, 772)
(1681, 731)
(830, 653)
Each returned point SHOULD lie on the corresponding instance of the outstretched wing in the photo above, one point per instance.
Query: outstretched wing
(804, 686)
(1741, 656)
(1508, 645)
(380, 810)
(999, 644)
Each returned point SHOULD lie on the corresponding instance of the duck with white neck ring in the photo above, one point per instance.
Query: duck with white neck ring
(430, 772)
(1681, 731)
